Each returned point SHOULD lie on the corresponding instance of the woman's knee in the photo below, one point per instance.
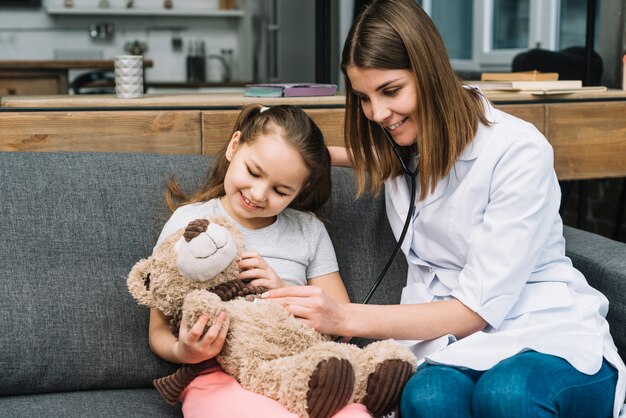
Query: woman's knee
(428, 394)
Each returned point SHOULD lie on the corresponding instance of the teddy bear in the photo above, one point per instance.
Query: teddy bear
(268, 350)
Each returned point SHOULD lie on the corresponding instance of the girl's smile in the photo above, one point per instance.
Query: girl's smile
(248, 203)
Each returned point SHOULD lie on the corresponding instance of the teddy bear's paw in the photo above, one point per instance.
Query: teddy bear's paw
(385, 385)
(330, 387)
(170, 387)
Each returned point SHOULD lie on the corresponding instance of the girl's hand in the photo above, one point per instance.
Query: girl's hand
(254, 268)
(311, 306)
(195, 345)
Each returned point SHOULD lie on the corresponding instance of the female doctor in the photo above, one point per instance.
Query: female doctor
(506, 327)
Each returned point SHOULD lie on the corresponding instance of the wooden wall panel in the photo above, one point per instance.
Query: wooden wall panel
(535, 114)
(589, 139)
(217, 126)
(159, 132)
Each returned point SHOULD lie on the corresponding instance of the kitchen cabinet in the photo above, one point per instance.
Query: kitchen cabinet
(29, 82)
(35, 77)
(153, 11)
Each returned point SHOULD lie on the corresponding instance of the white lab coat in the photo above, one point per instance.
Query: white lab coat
(490, 235)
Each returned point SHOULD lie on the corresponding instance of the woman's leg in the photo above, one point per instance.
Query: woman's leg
(532, 384)
(438, 391)
(218, 395)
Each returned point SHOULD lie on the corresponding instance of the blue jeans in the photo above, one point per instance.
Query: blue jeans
(529, 384)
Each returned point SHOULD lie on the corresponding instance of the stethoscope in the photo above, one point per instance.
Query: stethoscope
(409, 216)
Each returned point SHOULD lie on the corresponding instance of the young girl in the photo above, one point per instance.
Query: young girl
(274, 171)
(504, 323)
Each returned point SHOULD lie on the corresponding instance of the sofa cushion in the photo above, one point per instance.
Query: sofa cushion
(72, 227)
(363, 241)
(603, 262)
(127, 403)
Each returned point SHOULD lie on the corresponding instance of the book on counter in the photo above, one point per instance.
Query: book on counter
(541, 88)
(289, 90)
(529, 85)
(533, 75)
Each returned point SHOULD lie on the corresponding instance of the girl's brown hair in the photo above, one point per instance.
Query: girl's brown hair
(398, 34)
(297, 129)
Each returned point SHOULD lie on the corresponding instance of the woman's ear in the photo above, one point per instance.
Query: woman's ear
(232, 145)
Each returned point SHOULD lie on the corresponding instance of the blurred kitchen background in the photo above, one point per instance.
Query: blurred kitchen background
(208, 45)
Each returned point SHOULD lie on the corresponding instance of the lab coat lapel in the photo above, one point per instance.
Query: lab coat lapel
(433, 196)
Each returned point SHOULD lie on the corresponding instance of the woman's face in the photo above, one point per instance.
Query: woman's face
(389, 98)
(264, 176)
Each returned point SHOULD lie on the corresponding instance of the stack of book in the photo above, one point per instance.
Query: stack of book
(520, 76)
(532, 82)
(538, 87)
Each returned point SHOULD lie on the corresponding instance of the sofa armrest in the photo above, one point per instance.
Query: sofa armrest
(603, 262)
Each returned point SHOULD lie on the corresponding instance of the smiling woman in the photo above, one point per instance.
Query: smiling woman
(491, 305)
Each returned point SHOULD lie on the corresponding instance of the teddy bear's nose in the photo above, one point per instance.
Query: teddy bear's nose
(207, 254)
(209, 242)
(217, 234)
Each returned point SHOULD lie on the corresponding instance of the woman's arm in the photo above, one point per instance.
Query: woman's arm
(191, 346)
(338, 156)
(415, 322)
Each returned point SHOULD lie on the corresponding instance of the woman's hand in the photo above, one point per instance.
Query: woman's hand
(254, 268)
(311, 306)
(200, 343)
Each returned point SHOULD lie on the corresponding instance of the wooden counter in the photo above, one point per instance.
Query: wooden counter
(170, 101)
(587, 131)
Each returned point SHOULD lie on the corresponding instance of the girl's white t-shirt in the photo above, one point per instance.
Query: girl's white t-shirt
(296, 246)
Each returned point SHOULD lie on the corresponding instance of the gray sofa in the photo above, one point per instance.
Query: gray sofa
(73, 343)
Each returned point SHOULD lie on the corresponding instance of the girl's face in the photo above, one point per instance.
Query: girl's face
(263, 178)
(389, 98)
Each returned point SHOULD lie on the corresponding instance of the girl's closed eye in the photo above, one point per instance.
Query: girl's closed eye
(281, 194)
(252, 173)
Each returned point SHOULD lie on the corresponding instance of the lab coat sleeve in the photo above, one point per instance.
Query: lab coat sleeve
(523, 201)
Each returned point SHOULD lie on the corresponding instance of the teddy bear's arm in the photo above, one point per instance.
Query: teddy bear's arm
(236, 288)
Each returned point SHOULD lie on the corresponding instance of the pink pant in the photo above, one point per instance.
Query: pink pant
(217, 395)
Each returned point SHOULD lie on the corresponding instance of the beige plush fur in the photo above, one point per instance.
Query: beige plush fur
(267, 350)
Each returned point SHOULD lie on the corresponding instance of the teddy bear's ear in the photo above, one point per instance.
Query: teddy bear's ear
(138, 281)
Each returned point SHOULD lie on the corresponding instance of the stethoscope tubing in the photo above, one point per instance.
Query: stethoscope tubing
(407, 222)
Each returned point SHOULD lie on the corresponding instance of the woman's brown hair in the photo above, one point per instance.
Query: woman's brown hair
(297, 129)
(398, 34)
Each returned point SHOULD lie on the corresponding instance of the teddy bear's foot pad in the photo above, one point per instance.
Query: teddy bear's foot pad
(385, 385)
(330, 387)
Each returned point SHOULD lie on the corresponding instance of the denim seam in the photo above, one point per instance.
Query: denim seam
(580, 385)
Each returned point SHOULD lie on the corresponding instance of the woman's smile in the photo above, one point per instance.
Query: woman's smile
(396, 125)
